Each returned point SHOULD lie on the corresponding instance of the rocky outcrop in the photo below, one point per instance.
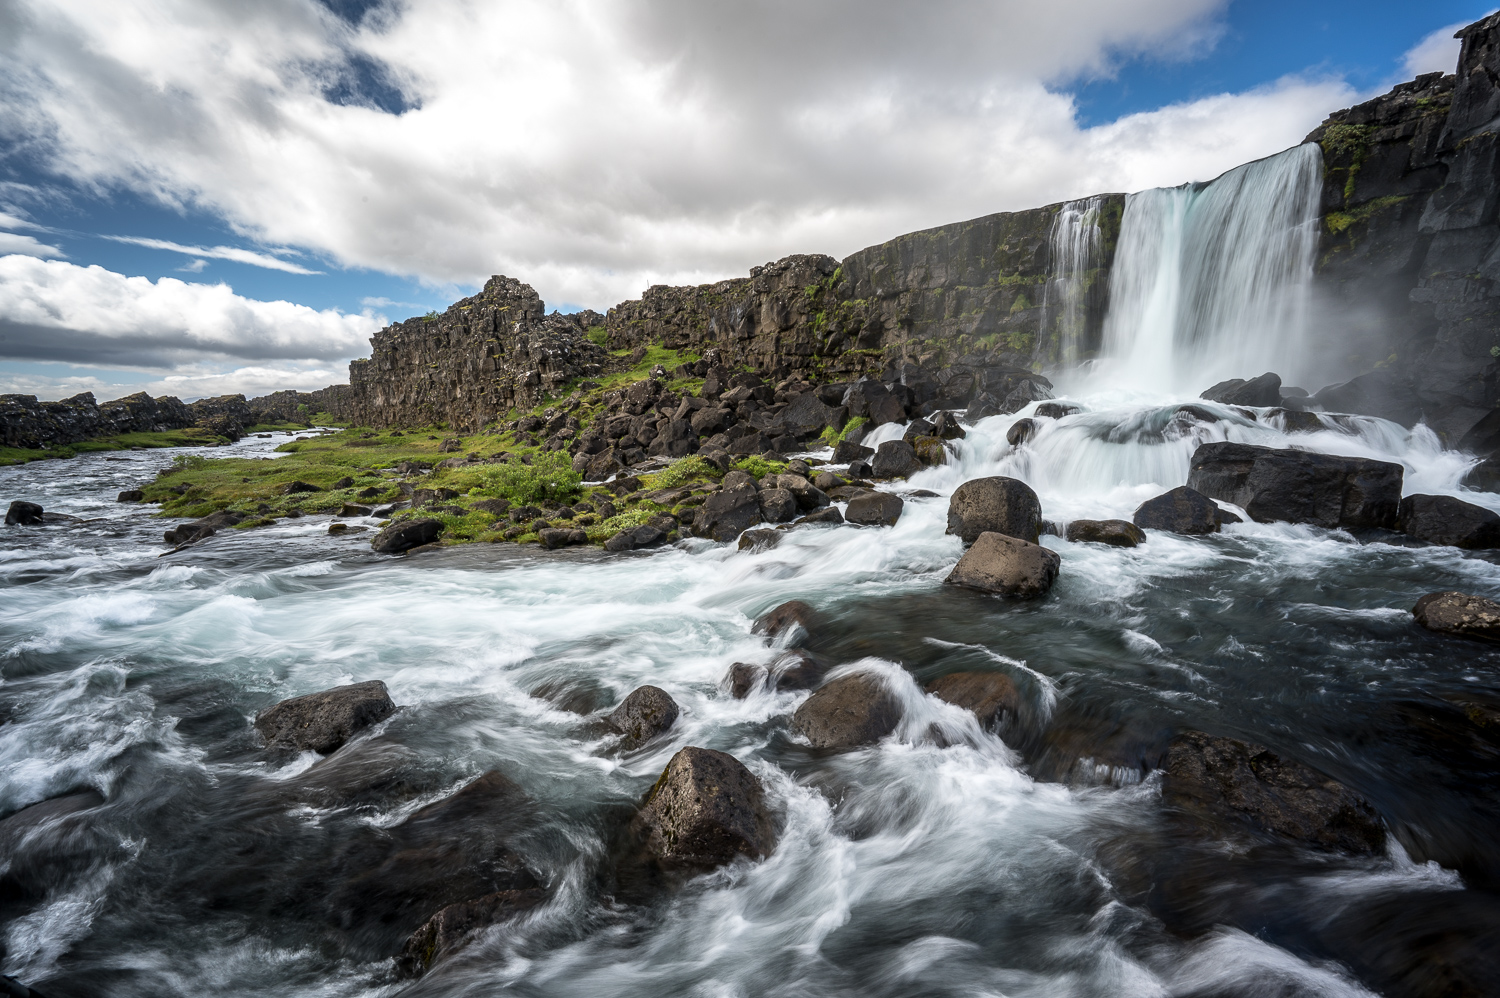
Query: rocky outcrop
(1298, 486)
(324, 721)
(1459, 614)
(25, 422)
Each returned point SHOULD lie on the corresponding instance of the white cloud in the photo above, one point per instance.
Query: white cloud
(14, 242)
(234, 253)
(194, 266)
(1436, 53)
(54, 310)
(383, 302)
(191, 382)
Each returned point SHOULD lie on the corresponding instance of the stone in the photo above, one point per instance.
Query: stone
(728, 513)
(1180, 511)
(130, 495)
(1056, 410)
(1020, 431)
(553, 538)
(350, 509)
(847, 712)
(777, 505)
(998, 563)
(1116, 533)
(1446, 520)
(495, 507)
(1299, 486)
(1024, 394)
(324, 721)
(1259, 392)
(631, 538)
(1224, 777)
(982, 406)
(796, 669)
(24, 514)
(807, 416)
(644, 714)
(760, 540)
(999, 505)
(829, 515)
(848, 451)
(1459, 614)
(945, 426)
(404, 535)
(875, 509)
(988, 695)
(744, 679)
(895, 459)
(293, 488)
(188, 533)
(783, 617)
(455, 926)
(706, 809)
(930, 451)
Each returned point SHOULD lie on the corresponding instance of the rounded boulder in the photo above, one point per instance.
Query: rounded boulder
(996, 505)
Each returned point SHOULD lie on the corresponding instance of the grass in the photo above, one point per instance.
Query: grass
(831, 437)
(193, 437)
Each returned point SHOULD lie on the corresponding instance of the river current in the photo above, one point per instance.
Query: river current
(944, 860)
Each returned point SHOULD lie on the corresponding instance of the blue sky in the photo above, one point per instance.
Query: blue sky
(570, 235)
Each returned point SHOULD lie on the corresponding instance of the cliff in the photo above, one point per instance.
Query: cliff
(25, 422)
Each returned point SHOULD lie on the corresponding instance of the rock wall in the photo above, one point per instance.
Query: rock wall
(25, 422)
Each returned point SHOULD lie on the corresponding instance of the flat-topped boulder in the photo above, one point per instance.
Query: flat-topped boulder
(1459, 614)
(1260, 392)
(1298, 486)
(1183, 510)
(847, 712)
(324, 721)
(1006, 565)
(1115, 533)
(1447, 520)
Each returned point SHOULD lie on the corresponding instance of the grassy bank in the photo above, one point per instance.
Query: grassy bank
(193, 437)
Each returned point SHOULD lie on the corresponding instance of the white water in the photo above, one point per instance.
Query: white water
(1075, 243)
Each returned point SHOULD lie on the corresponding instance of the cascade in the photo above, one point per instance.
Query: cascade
(1075, 243)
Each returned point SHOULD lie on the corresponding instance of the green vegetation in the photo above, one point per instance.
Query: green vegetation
(831, 437)
(759, 467)
(193, 437)
(599, 336)
(1339, 222)
(549, 479)
(684, 470)
(1351, 142)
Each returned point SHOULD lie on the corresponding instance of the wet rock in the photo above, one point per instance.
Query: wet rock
(1296, 420)
(553, 538)
(24, 514)
(1116, 533)
(982, 406)
(573, 694)
(945, 426)
(130, 495)
(727, 513)
(634, 538)
(1020, 431)
(829, 515)
(849, 451)
(1446, 520)
(988, 695)
(1459, 614)
(350, 509)
(1056, 410)
(760, 540)
(188, 533)
(646, 713)
(324, 721)
(875, 509)
(780, 619)
(457, 925)
(294, 488)
(1299, 486)
(998, 505)
(861, 469)
(1260, 392)
(895, 459)
(744, 679)
(826, 481)
(797, 670)
(998, 563)
(48, 843)
(404, 535)
(1181, 511)
(1216, 777)
(777, 505)
(930, 451)
(705, 810)
(1024, 394)
(847, 712)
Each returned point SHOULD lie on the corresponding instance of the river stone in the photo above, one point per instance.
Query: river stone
(324, 721)
(792, 613)
(729, 512)
(930, 450)
(1024, 394)
(982, 406)
(1225, 777)
(777, 505)
(1116, 533)
(1180, 511)
(761, 539)
(1056, 410)
(705, 810)
(292, 488)
(647, 535)
(796, 670)
(23, 513)
(987, 695)
(945, 426)
(1299, 486)
(1459, 614)
(875, 509)
(1446, 520)
(354, 509)
(999, 505)
(895, 459)
(130, 495)
(828, 514)
(404, 535)
(455, 926)
(1260, 392)
(745, 678)
(646, 713)
(1020, 431)
(1006, 565)
(849, 451)
(847, 712)
(553, 538)
(188, 533)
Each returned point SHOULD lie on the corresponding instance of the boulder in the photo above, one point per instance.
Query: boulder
(1446, 520)
(847, 712)
(292, 488)
(404, 535)
(849, 451)
(895, 459)
(982, 406)
(744, 679)
(553, 538)
(729, 512)
(24, 514)
(1020, 431)
(1180, 511)
(807, 416)
(188, 533)
(1459, 614)
(828, 514)
(777, 505)
(930, 450)
(1259, 392)
(1024, 394)
(351, 509)
(886, 409)
(875, 509)
(998, 563)
(792, 613)
(633, 538)
(646, 713)
(796, 670)
(455, 926)
(1056, 410)
(324, 721)
(998, 505)
(1116, 533)
(945, 426)
(987, 695)
(761, 539)
(1216, 777)
(705, 810)
(130, 495)
(1299, 486)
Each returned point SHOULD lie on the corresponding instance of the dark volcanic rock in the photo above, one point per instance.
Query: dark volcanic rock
(1020, 431)
(404, 535)
(896, 459)
(324, 721)
(130, 495)
(633, 538)
(728, 513)
(782, 618)
(1260, 392)
(188, 533)
(1299, 486)
(1117, 533)
(705, 810)
(24, 514)
(875, 509)
(988, 695)
(745, 678)
(455, 926)
(1001, 564)
(1223, 777)
(848, 451)
(763, 539)
(1446, 520)
(999, 505)
(1459, 614)
(553, 538)
(847, 712)
(1181, 511)
(646, 713)
(777, 505)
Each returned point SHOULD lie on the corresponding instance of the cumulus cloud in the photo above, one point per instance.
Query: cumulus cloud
(592, 147)
(52, 310)
(1436, 53)
(234, 253)
(190, 382)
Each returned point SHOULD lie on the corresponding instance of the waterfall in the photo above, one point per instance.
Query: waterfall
(1075, 243)
(1210, 281)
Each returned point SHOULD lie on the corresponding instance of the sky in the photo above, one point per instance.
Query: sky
(201, 197)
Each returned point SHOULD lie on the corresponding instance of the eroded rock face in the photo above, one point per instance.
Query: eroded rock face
(875, 509)
(1006, 565)
(457, 925)
(1224, 777)
(324, 721)
(988, 695)
(1116, 533)
(645, 713)
(1299, 486)
(404, 535)
(1183, 510)
(1459, 614)
(1261, 392)
(999, 505)
(1446, 520)
(847, 712)
(705, 810)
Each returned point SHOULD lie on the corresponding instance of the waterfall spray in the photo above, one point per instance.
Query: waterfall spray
(1075, 244)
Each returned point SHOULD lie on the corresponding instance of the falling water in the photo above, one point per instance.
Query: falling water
(1075, 240)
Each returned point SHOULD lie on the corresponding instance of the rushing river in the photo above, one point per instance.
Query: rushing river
(942, 861)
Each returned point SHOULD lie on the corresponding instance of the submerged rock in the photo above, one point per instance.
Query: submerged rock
(1446, 520)
(998, 505)
(324, 721)
(1260, 392)
(24, 514)
(1183, 510)
(1299, 486)
(1116, 533)
(404, 535)
(188, 533)
(1020, 431)
(1459, 614)
(455, 926)
(744, 678)
(645, 713)
(875, 509)
(130, 495)
(705, 810)
(1006, 565)
(987, 695)
(782, 618)
(847, 712)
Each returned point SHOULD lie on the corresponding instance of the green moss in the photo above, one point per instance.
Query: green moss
(192, 437)
(599, 336)
(1021, 304)
(1339, 222)
(831, 437)
(683, 470)
(548, 480)
(759, 467)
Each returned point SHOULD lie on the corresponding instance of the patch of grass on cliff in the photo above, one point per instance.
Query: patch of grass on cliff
(684, 470)
(759, 467)
(832, 437)
(192, 437)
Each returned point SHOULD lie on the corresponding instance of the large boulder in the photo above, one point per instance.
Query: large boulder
(852, 710)
(807, 416)
(1024, 394)
(644, 714)
(783, 618)
(1001, 564)
(875, 509)
(1459, 614)
(1182, 511)
(324, 721)
(1260, 392)
(23, 514)
(1116, 533)
(705, 810)
(455, 926)
(896, 459)
(1446, 520)
(1216, 777)
(1299, 486)
(404, 535)
(729, 512)
(849, 451)
(634, 538)
(988, 695)
(998, 505)
(188, 533)
(777, 505)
